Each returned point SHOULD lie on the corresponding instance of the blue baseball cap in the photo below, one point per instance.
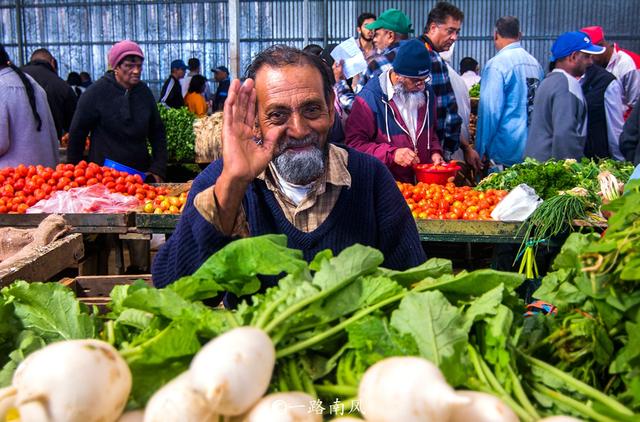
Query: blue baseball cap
(570, 42)
(178, 64)
(412, 60)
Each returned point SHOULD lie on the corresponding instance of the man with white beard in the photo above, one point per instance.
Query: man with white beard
(393, 117)
(281, 175)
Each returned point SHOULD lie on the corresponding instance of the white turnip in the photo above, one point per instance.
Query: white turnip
(72, 381)
(407, 389)
(482, 408)
(284, 407)
(7, 401)
(132, 416)
(178, 401)
(233, 370)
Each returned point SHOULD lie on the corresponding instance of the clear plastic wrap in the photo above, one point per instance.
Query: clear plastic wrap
(89, 199)
(518, 205)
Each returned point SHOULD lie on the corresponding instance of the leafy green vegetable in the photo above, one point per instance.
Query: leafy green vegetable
(474, 91)
(595, 288)
(374, 339)
(333, 318)
(240, 262)
(553, 176)
(178, 127)
(34, 314)
(437, 328)
(50, 310)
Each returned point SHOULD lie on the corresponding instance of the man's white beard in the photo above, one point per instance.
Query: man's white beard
(411, 100)
(303, 167)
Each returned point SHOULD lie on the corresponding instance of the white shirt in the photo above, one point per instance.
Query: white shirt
(624, 68)
(295, 193)
(470, 78)
(463, 100)
(409, 115)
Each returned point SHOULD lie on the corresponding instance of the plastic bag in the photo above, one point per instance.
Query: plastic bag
(518, 205)
(89, 199)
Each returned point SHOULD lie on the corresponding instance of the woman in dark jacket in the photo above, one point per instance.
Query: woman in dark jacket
(120, 113)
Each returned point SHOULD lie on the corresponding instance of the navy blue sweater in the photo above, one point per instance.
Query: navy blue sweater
(371, 212)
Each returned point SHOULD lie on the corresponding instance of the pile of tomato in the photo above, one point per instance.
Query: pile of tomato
(448, 202)
(23, 186)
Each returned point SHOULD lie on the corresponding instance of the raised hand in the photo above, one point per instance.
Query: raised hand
(245, 155)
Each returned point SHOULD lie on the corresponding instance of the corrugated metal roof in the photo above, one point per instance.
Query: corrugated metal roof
(80, 32)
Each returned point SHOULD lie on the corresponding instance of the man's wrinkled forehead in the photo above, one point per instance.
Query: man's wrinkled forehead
(287, 84)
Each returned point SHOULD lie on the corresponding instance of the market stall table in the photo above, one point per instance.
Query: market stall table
(469, 231)
(107, 224)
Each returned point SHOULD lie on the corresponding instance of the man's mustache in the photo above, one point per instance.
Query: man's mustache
(310, 140)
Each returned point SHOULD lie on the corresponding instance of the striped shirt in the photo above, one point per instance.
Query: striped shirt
(449, 122)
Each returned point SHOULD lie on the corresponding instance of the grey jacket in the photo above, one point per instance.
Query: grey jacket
(630, 136)
(559, 119)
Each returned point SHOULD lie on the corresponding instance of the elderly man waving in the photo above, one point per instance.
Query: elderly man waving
(281, 175)
(393, 117)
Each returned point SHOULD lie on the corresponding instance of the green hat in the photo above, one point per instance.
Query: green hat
(393, 20)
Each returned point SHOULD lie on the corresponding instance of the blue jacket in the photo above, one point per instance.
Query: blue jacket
(507, 90)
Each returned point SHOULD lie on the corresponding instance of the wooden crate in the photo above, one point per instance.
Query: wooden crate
(45, 262)
(95, 290)
(80, 223)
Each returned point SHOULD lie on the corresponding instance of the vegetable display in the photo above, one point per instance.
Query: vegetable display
(571, 191)
(596, 289)
(450, 202)
(474, 91)
(328, 322)
(178, 127)
(23, 186)
(553, 176)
